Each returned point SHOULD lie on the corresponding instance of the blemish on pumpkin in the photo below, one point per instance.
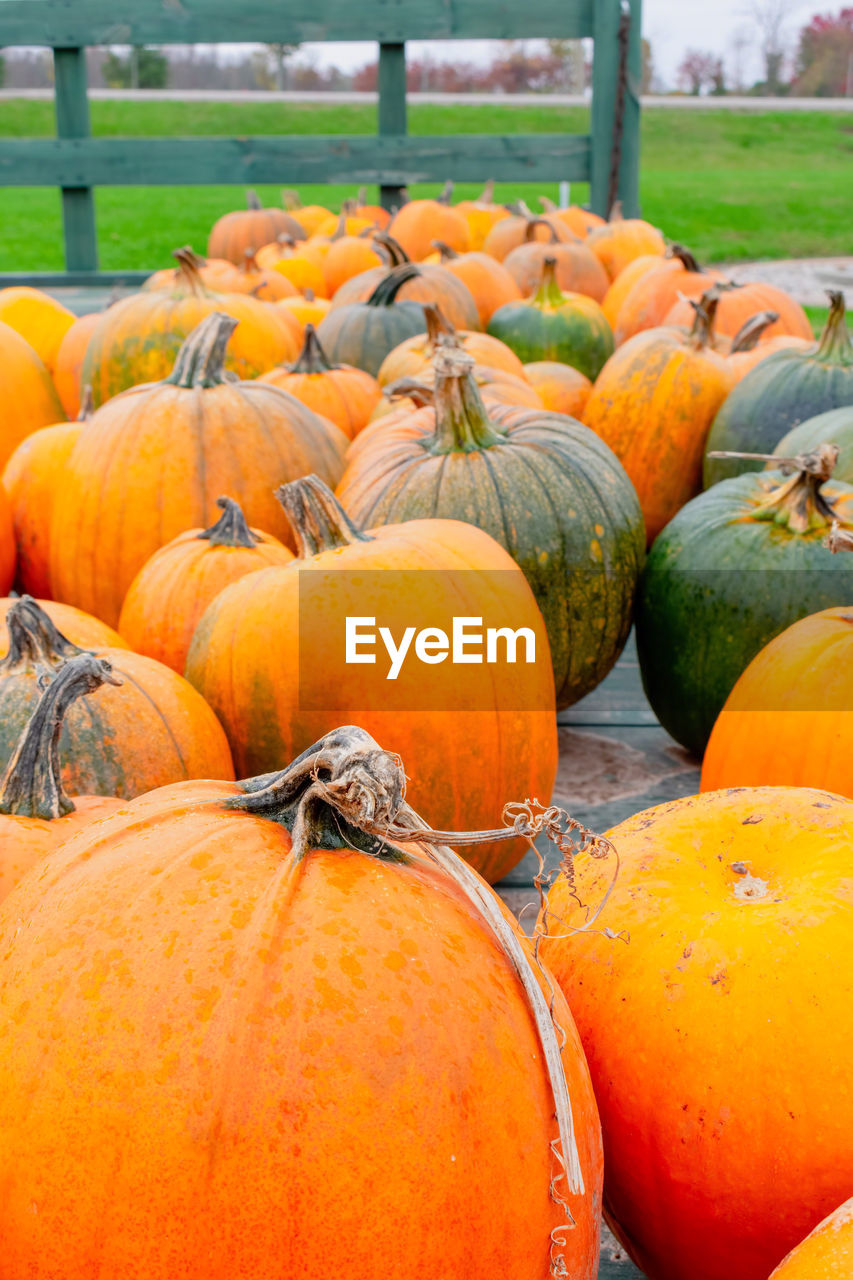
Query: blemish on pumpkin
(395, 961)
(751, 888)
(752, 819)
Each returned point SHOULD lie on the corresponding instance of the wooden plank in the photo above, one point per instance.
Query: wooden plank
(605, 90)
(390, 161)
(392, 108)
(72, 121)
(74, 23)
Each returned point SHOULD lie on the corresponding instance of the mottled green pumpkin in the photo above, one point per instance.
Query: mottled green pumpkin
(733, 569)
(552, 325)
(787, 388)
(362, 333)
(544, 486)
(834, 427)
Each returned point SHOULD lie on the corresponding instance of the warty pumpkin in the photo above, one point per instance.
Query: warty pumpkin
(419, 222)
(172, 589)
(260, 938)
(826, 1252)
(562, 389)
(718, 1037)
(68, 369)
(345, 395)
(38, 318)
(577, 269)
(488, 281)
(29, 397)
(154, 730)
(419, 282)
(542, 485)
(249, 228)
(173, 447)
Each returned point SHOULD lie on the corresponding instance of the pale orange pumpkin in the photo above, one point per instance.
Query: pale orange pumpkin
(488, 281)
(414, 355)
(249, 228)
(419, 222)
(580, 221)
(739, 302)
(577, 270)
(826, 1253)
(621, 240)
(648, 303)
(561, 388)
(339, 392)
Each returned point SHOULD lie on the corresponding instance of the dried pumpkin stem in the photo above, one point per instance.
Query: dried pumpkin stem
(419, 393)
(396, 253)
(462, 422)
(797, 503)
(189, 268)
(201, 360)
(312, 357)
(835, 346)
(705, 314)
(34, 640)
(839, 539)
(87, 404)
(530, 230)
(317, 520)
(438, 327)
(231, 529)
(685, 257)
(447, 254)
(252, 201)
(386, 291)
(32, 784)
(752, 331)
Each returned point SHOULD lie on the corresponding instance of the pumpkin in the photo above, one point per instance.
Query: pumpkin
(137, 339)
(739, 302)
(653, 404)
(648, 303)
(261, 282)
(307, 308)
(624, 283)
(217, 274)
(300, 264)
(422, 282)
(621, 240)
(834, 427)
(339, 392)
(826, 1252)
(553, 325)
(345, 223)
(561, 388)
(749, 346)
(577, 270)
(785, 389)
(38, 318)
(75, 625)
(362, 333)
(68, 369)
(35, 813)
(255, 938)
(172, 589)
(487, 280)
(154, 730)
(413, 356)
(30, 480)
(309, 216)
(30, 400)
(173, 447)
(509, 233)
(419, 222)
(422, 570)
(543, 486)
(580, 221)
(718, 1038)
(249, 228)
(788, 722)
(481, 215)
(348, 256)
(736, 566)
(379, 216)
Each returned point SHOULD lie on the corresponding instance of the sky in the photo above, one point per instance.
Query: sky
(672, 26)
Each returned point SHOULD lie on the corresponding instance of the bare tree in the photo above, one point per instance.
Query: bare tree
(697, 70)
(770, 17)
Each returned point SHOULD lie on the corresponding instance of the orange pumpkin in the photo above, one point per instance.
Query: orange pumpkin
(261, 282)
(419, 222)
(509, 233)
(78, 627)
(154, 730)
(30, 480)
(488, 281)
(300, 263)
(649, 302)
(580, 221)
(653, 403)
(562, 389)
(244, 945)
(348, 256)
(173, 447)
(749, 346)
(718, 1038)
(345, 395)
(788, 722)
(68, 370)
(250, 228)
(172, 589)
(481, 215)
(137, 339)
(740, 302)
(423, 282)
(268, 709)
(309, 216)
(29, 397)
(215, 273)
(624, 283)
(38, 318)
(621, 240)
(35, 813)
(826, 1253)
(307, 308)
(577, 271)
(375, 212)
(414, 355)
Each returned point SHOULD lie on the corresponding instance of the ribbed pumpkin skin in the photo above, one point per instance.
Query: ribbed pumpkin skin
(784, 390)
(717, 586)
(552, 494)
(38, 318)
(68, 369)
(174, 450)
(78, 627)
(653, 404)
(562, 388)
(826, 1253)
(620, 242)
(739, 303)
(412, 357)
(578, 270)
(181, 1123)
(509, 233)
(788, 722)
(650, 300)
(718, 1037)
(26, 842)
(30, 480)
(29, 397)
(834, 427)
(573, 331)
(172, 590)
(428, 283)
(419, 222)
(254, 684)
(251, 228)
(622, 285)
(345, 395)
(362, 335)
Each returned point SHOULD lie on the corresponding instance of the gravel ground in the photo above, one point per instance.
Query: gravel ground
(806, 279)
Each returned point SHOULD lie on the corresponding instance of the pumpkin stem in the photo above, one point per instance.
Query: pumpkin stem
(446, 193)
(835, 346)
(309, 295)
(312, 357)
(341, 229)
(252, 201)
(388, 288)
(231, 529)
(32, 783)
(750, 333)
(345, 792)
(530, 230)
(410, 389)
(250, 262)
(34, 640)
(87, 404)
(705, 314)
(487, 195)
(397, 255)
(462, 423)
(549, 293)
(685, 257)
(317, 520)
(200, 361)
(796, 503)
(447, 254)
(438, 327)
(616, 214)
(839, 539)
(290, 199)
(547, 204)
(360, 197)
(189, 268)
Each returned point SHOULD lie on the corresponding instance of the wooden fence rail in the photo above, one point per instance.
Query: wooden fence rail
(608, 157)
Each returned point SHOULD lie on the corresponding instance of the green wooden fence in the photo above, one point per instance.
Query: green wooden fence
(607, 157)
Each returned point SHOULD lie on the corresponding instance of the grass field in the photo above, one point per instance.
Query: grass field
(729, 186)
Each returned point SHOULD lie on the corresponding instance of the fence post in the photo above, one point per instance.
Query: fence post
(609, 101)
(392, 106)
(72, 121)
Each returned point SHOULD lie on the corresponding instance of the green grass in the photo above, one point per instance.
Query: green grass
(730, 186)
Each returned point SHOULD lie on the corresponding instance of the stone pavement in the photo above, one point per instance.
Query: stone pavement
(806, 279)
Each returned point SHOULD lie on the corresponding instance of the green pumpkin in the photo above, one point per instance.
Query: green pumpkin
(786, 389)
(553, 325)
(834, 427)
(362, 333)
(544, 486)
(735, 567)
